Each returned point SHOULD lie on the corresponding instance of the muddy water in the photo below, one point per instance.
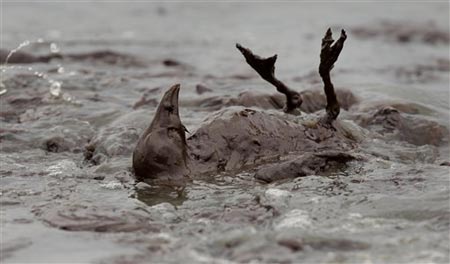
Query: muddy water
(56, 207)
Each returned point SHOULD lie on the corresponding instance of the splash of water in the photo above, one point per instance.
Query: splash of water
(60, 69)
(2, 89)
(21, 45)
(4, 66)
(2, 86)
(54, 48)
(55, 86)
(55, 89)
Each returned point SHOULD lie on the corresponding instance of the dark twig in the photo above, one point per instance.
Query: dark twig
(265, 67)
(328, 56)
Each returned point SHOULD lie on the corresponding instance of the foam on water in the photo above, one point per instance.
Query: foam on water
(63, 168)
(295, 219)
(112, 185)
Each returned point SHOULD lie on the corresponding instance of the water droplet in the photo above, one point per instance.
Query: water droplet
(67, 97)
(38, 74)
(54, 48)
(55, 89)
(24, 44)
(55, 86)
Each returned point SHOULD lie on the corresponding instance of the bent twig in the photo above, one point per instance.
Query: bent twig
(265, 67)
(328, 56)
